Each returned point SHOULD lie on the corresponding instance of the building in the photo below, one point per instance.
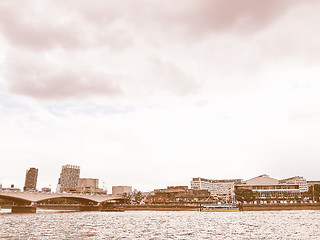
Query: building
(179, 194)
(89, 185)
(69, 178)
(31, 180)
(46, 190)
(120, 190)
(312, 183)
(302, 182)
(265, 188)
(202, 184)
(11, 189)
(223, 189)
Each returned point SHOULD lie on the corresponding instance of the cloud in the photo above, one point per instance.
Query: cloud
(171, 78)
(41, 25)
(121, 37)
(201, 17)
(34, 76)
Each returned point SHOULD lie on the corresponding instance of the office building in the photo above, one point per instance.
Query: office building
(69, 178)
(223, 189)
(31, 180)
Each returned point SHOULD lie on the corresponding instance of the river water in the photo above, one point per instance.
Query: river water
(161, 225)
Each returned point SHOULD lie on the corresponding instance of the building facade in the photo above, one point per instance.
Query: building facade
(202, 184)
(69, 177)
(302, 182)
(179, 194)
(31, 180)
(89, 185)
(120, 190)
(265, 188)
(223, 189)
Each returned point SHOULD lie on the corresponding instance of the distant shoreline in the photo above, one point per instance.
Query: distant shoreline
(165, 207)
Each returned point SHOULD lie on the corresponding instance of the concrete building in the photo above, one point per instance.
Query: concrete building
(202, 184)
(119, 190)
(31, 180)
(223, 189)
(69, 178)
(265, 188)
(89, 185)
(179, 194)
(302, 182)
(312, 183)
(46, 190)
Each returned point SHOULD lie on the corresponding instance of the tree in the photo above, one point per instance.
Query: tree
(127, 197)
(137, 196)
(244, 195)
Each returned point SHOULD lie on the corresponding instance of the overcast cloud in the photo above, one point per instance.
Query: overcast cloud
(153, 93)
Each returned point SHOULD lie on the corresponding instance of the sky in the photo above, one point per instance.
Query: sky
(153, 93)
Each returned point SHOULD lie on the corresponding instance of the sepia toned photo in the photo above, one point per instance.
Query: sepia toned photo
(156, 120)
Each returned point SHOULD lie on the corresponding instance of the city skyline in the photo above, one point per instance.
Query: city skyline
(71, 176)
(150, 94)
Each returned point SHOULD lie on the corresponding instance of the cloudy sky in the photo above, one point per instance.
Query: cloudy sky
(152, 93)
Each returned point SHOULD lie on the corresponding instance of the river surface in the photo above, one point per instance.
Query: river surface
(161, 225)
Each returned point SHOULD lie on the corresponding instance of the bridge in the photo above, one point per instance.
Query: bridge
(32, 199)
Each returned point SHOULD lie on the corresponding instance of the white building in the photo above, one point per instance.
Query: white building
(266, 188)
(202, 184)
(222, 188)
(302, 182)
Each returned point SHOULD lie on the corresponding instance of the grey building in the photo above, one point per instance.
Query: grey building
(69, 178)
(31, 180)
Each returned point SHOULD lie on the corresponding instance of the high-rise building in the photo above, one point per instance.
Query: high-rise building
(31, 180)
(69, 178)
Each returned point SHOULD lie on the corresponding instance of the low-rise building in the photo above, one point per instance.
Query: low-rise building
(265, 188)
(179, 194)
(223, 189)
(302, 182)
(11, 188)
(46, 190)
(120, 190)
(89, 185)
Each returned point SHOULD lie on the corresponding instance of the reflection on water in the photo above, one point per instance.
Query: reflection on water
(161, 225)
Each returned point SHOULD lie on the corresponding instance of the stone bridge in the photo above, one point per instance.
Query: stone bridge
(32, 198)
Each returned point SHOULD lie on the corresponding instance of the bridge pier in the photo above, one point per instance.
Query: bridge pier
(23, 209)
(90, 208)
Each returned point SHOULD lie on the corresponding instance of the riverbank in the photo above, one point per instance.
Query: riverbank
(167, 207)
(279, 207)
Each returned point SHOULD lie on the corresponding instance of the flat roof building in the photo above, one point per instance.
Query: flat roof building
(265, 188)
(69, 178)
(223, 188)
(119, 190)
(31, 180)
(89, 185)
(302, 182)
